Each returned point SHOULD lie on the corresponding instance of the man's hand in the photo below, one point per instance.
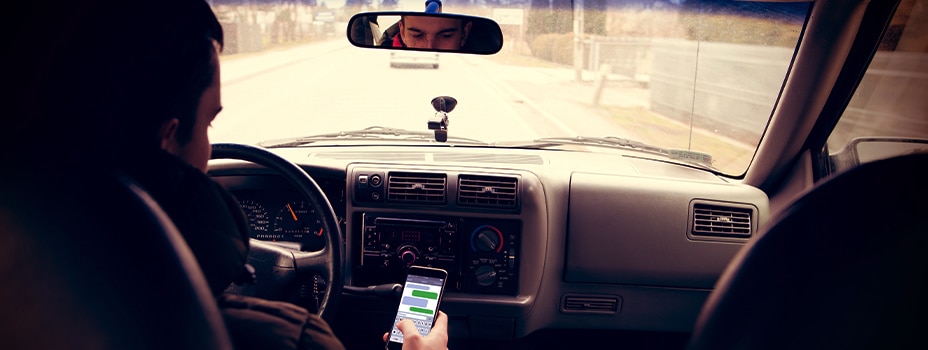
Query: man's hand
(412, 340)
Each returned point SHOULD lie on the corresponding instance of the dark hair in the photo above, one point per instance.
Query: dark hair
(100, 77)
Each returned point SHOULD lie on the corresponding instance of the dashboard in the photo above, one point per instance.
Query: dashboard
(531, 239)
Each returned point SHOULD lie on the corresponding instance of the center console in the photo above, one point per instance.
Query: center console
(480, 255)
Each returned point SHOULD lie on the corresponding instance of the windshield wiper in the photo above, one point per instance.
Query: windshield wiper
(703, 160)
(369, 133)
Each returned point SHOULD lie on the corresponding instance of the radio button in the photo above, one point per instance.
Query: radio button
(376, 180)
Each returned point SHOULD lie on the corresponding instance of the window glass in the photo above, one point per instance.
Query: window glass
(695, 79)
(890, 105)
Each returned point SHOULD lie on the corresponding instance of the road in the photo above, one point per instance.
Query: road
(332, 86)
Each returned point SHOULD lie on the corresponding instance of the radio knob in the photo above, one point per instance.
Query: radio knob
(408, 257)
(486, 275)
(408, 254)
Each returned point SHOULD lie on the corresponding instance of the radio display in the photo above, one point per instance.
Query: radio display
(410, 231)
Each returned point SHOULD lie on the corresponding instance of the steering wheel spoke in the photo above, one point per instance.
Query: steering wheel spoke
(312, 263)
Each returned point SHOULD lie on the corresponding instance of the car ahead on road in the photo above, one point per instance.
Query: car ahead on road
(413, 59)
(691, 174)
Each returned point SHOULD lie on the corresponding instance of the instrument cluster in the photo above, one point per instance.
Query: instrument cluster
(277, 212)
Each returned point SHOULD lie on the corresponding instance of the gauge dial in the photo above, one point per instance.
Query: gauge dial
(298, 221)
(259, 221)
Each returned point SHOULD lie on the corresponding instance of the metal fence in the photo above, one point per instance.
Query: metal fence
(731, 89)
(627, 57)
(255, 27)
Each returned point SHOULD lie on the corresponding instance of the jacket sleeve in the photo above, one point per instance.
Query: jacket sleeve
(255, 323)
(386, 40)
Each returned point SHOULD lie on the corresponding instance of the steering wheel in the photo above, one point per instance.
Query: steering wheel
(280, 271)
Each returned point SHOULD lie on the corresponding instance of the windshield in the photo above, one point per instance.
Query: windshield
(690, 75)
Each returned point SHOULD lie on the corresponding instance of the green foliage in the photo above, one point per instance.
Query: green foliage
(546, 21)
(594, 22)
(594, 17)
(550, 26)
(556, 48)
(738, 29)
(356, 3)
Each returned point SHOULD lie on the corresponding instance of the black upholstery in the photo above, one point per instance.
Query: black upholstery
(89, 261)
(845, 266)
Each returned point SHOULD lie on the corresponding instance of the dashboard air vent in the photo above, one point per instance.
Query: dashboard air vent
(426, 188)
(590, 304)
(488, 191)
(721, 221)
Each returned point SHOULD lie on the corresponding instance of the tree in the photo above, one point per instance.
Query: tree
(356, 3)
(548, 16)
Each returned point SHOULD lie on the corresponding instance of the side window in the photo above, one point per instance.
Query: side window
(888, 114)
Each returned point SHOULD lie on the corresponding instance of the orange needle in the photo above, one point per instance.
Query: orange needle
(320, 232)
(292, 213)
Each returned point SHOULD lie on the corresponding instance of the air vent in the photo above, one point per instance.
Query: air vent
(427, 188)
(591, 304)
(487, 191)
(721, 221)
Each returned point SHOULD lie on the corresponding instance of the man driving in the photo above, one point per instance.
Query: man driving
(427, 32)
(133, 87)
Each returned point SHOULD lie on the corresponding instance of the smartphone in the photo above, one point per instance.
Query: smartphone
(422, 295)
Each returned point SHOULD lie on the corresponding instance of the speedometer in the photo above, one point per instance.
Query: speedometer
(258, 220)
(298, 221)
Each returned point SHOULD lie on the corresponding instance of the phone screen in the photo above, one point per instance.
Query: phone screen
(421, 296)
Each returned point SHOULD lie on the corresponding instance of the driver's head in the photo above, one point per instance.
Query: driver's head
(123, 78)
(424, 32)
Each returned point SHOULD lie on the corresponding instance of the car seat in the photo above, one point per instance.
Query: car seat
(843, 267)
(89, 261)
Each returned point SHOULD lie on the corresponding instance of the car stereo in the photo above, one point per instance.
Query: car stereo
(480, 255)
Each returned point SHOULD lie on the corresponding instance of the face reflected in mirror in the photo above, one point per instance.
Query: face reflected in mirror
(423, 32)
(435, 32)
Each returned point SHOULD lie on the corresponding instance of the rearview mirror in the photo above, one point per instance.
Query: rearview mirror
(419, 31)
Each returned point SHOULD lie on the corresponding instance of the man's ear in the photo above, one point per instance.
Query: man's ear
(402, 31)
(466, 32)
(167, 133)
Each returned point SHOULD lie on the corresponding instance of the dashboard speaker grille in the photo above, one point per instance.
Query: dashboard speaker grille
(721, 221)
(427, 188)
(488, 191)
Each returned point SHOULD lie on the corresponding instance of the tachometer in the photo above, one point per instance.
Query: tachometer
(298, 221)
(258, 220)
